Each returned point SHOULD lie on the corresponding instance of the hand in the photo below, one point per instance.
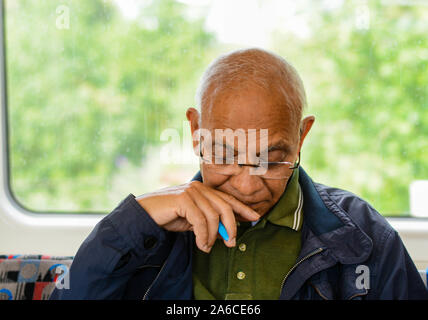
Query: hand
(196, 207)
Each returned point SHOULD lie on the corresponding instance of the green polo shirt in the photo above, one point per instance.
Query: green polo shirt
(265, 251)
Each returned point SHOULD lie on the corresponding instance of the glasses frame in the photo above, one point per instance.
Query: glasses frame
(293, 166)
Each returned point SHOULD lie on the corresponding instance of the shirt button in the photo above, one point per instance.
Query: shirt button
(242, 247)
(240, 275)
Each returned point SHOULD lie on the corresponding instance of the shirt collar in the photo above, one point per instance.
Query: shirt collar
(287, 212)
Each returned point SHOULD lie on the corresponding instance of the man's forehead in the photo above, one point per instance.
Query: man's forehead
(249, 109)
(274, 124)
(272, 140)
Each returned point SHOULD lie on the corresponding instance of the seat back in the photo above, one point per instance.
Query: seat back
(31, 277)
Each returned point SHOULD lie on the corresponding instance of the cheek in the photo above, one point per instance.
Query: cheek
(276, 188)
(213, 180)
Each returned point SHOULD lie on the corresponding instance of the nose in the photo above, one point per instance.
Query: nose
(245, 183)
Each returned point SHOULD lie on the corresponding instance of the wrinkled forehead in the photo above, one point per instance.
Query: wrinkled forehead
(253, 142)
(249, 110)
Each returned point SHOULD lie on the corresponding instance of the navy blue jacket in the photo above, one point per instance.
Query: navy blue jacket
(128, 256)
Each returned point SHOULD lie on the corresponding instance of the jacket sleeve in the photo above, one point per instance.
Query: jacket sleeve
(398, 277)
(121, 242)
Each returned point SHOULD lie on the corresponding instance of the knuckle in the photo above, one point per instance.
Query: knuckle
(186, 197)
(226, 208)
(229, 197)
(194, 184)
(193, 187)
(199, 220)
(211, 216)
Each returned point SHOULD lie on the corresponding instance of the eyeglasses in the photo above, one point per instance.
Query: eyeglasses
(264, 169)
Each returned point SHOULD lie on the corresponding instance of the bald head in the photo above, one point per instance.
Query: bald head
(241, 70)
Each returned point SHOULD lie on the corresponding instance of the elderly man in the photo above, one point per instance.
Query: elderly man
(287, 237)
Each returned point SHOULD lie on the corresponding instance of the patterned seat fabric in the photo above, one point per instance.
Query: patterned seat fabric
(32, 277)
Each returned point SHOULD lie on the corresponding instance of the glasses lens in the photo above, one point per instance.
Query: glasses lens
(273, 171)
(221, 164)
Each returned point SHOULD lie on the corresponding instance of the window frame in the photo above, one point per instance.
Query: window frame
(15, 220)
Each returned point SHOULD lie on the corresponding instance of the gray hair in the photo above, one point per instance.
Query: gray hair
(253, 66)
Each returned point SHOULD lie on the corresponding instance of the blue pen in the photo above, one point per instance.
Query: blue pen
(222, 231)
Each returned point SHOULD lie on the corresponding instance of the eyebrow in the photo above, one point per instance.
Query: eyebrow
(282, 146)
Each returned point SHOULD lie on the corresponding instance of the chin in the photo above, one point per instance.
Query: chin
(262, 208)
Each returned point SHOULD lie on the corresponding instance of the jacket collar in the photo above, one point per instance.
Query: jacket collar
(327, 226)
(288, 211)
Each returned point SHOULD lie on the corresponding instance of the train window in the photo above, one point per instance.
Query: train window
(97, 92)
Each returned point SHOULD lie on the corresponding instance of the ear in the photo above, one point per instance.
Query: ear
(193, 116)
(305, 126)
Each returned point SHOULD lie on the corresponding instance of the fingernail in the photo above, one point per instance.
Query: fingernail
(255, 213)
(233, 242)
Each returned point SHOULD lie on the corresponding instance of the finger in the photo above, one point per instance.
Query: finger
(226, 215)
(212, 216)
(243, 210)
(199, 224)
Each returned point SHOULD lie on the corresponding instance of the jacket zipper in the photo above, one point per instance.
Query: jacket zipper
(358, 294)
(297, 264)
(148, 289)
(319, 292)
